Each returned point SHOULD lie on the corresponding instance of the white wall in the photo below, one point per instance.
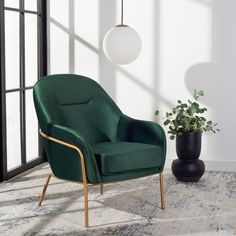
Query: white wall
(187, 44)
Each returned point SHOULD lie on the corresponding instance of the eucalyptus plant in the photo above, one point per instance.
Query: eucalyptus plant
(188, 117)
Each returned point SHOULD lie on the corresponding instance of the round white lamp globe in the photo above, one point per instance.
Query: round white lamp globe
(122, 44)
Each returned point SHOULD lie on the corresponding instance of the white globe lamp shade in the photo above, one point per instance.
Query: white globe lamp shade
(122, 44)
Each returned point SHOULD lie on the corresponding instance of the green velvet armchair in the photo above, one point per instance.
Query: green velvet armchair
(88, 139)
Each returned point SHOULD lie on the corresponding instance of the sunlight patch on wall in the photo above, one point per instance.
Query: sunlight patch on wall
(59, 11)
(132, 98)
(185, 40)
(142, 22)
(86, 61)
(59, 50)
(86, 21)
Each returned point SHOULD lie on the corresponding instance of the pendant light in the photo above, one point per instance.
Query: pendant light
(122, 44)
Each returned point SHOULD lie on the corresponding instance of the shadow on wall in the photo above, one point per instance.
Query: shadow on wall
(107, 70)
(218, 79)
(202, 76)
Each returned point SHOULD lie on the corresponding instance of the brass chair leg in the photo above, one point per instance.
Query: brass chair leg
(44, 190)
(162, 191)
(101, 189)
(86, 220)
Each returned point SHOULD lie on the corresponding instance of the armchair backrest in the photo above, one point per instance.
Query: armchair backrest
(79, 103)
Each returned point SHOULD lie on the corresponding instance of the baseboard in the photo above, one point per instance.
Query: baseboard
(225, 166)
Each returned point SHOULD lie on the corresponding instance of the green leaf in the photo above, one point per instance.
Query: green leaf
(195, 96)
(194, 110)
(186, 117)
(174, 132)
(189, 111)
(156, 112)
(167, 122)
(172, 137)
(200, 93)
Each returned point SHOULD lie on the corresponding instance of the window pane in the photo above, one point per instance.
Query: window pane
(31, 61)
(13, 130)
(31, 5)
(12, 49)
(12, 3)
(31, 128)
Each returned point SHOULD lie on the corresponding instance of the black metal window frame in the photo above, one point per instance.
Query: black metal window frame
(42, 71)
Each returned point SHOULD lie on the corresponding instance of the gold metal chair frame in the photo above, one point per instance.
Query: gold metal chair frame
(85, 183)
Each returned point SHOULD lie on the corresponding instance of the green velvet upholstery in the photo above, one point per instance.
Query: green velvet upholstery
(76, 110)
(116, 157)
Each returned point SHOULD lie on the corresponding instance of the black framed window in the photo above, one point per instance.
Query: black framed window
(23, 62)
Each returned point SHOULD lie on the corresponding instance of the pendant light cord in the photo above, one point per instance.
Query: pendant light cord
(122, 14)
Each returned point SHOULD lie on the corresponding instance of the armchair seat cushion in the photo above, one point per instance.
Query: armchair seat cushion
(118, 157)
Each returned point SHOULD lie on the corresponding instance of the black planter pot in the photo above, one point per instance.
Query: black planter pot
(188, 167)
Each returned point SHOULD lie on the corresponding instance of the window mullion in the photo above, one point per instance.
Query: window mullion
(42, 50)
(22, 82)
(3, 152)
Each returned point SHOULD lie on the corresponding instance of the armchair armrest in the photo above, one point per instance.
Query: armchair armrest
(59, 154)
(132, 130)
